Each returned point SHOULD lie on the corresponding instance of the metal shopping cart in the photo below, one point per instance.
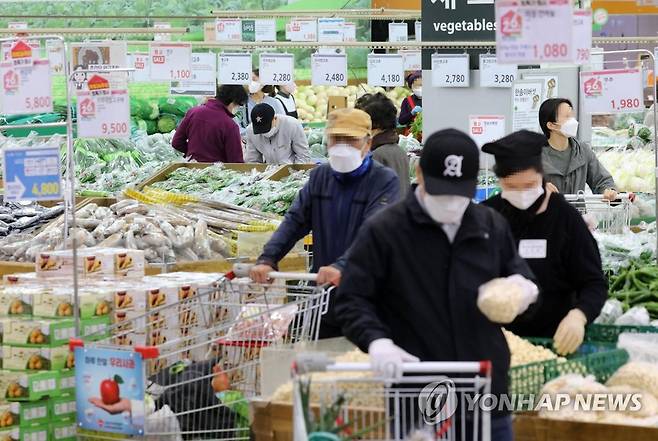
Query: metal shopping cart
(432, 401)
(607, 216)
(199, 357)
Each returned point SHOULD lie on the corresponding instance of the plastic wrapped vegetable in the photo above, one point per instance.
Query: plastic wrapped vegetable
(503, 299)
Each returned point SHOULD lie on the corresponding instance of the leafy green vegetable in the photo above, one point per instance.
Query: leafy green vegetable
(176, 105)
(167, 123)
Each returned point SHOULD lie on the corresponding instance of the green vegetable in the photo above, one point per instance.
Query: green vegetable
(167, 123)
(151, 127)
(176, 105)
(144, 109)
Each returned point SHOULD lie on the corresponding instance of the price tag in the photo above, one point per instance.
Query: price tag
(329, 70)
(265, 29)
(493, 74)
(17, 25)
(203, 81)
(385, 70)
(161, 37)
(170, 61)
(612, 91)
(32, 173)
(234, 68)
(26, 90)
(484, 129)
(140, 62)
(302, 30)
(277, 69)
(397, 32)
(418, 27)
(582, 36)
(450, 70)
(349, 31)
(103, 113)
(330, 30)
(55, 51)
(228, 30)
(534, 31)
(412, 59)
(526, 99)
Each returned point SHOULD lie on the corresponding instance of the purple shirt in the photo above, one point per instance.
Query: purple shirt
(209, 134)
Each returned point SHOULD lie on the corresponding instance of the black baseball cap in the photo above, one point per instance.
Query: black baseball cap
(518, 151)
(262, 116)
(450, 162)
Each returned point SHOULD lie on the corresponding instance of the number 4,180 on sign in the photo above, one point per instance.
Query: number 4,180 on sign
(385, 70)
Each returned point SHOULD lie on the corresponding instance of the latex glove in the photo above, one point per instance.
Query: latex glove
(386, 358)
(416, 110)
(329, 274)
(610, 194)
(260, 273)
(570, 333)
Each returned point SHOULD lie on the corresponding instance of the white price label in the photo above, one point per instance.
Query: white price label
(234, 68)
(612, 91)
(302, 30)
(418, 28)
(534, 31)
(17, 25)
(450, 70)
(170, 61)
(330, 30)
(412, 59)
(582, 36)
(397, 32)
(526, 99)
(55, 51)
(493, 74)
(329, 70)
(349, 31)
(277, 69)
(203, 81)
(163, 36)
(103, 114)
(265, 30)
(228, 30)
(26, 90)
(385, 70)
(140, 62)
(486, 128)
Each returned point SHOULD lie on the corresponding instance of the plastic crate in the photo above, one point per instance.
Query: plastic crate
(610, 333)
(592, 358)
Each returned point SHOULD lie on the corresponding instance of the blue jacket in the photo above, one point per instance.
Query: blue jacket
(315, 207)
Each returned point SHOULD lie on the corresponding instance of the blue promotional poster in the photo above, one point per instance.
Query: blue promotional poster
(32, 174)
(110, 390)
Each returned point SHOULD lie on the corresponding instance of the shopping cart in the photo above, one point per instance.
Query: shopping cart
(608, 216)
(201, 355)
(431, 401)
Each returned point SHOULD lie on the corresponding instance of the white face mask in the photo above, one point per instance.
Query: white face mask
(272, 131)
(344, 158)
(255, 86)
(446, 209)
(570, 128)
(523, 199)
(290, 89)
(418, 91)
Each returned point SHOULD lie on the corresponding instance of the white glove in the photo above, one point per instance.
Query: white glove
(386, 358)
(502, 300)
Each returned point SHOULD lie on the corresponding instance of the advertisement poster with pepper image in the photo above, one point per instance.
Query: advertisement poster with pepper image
(110, 390)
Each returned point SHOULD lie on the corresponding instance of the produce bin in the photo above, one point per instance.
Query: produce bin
(164, 173)
(286, 170)
(610, 333)
(598, 359)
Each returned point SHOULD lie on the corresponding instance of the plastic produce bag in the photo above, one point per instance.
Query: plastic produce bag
(502, 300)
(636, 316)
(640, 347)
(611, 311)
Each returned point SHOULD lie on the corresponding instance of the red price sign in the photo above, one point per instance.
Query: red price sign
(26, 90)
(170, 61)
(103, 115)
(612, 91)
(526, 31)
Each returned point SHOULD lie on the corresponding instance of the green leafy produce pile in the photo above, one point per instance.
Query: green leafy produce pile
(161, 115)
(637, 285)
(250, 190)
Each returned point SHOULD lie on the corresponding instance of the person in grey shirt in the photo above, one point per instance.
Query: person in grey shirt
(275, 139)
(570, 164)
(385, 147)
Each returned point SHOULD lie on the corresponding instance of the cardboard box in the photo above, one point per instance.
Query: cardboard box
(60, 302)
(33, 413)
(17, 301)
(37, 359)
(28, 386)
(130, 296)
(66, 382)
(9, 415)
(35, 433)
(62, 407)
(19, 279)
(95, 263)
(40, 333)
(11, 434)
(95, 328)
(64, 430)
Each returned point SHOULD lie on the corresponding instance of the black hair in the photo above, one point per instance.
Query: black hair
(232, 93)
(382, 111)
(413, 76)
(503, 170)
(548, 113)
(362, 101)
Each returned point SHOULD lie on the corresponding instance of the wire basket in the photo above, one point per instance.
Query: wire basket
(608, 217)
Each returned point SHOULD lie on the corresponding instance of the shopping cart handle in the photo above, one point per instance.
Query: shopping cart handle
(242, 270)
(482, 367)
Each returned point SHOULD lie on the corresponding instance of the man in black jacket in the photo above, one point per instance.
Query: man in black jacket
(410, 286)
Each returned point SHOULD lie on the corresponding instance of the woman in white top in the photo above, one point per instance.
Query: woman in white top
(285, 96)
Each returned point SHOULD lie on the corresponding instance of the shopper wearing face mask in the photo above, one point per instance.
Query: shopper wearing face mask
(553, 239)
(275, 139)
(259, 93)
(285, 95)
(570, 164)
(208, 132)
(411, 280)
(413, 104)
(337, 199)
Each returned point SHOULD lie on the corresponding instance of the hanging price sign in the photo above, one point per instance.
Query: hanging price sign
(397, 32)
(493, 74)
(163, 36)
(450, 70)
(26, 90)
(385, 70)
(582, 36)
(329, 70)
(302, 30)
(534, 31)
(140, 62)
(234, 68)
(612, 91)
(204, 77)
(265, 30)
(412, 59)
(170, 61)
(55, 51)
(277, 69)
(228, 30)
(103, 112)
(418, 27)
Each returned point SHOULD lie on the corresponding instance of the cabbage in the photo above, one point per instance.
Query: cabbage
(167, 123)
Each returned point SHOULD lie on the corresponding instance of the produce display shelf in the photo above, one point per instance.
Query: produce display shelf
(286, 170)
(164, 172)
(610, 333)
(598, 359)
